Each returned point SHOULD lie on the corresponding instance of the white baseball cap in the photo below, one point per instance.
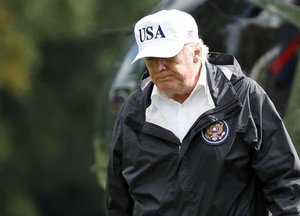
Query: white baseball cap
(164, 33)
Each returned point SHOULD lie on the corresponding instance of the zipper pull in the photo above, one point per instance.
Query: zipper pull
(179, 149)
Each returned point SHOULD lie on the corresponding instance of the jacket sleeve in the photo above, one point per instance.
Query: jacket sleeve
(275, 160)
(118, 200)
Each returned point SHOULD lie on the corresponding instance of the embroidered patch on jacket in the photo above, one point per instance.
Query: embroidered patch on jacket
(216, 133)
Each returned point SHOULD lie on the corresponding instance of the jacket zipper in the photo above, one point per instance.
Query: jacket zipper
(179, 149)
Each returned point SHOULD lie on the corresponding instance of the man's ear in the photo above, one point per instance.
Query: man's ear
(197, 55)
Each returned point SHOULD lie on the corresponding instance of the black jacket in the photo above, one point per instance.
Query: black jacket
(237, 159)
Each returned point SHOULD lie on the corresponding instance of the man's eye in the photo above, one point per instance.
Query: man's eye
(149, 59)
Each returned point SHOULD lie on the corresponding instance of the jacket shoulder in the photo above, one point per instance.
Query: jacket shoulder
(137, 101)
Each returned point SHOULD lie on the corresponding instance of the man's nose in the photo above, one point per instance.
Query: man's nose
(160, 64)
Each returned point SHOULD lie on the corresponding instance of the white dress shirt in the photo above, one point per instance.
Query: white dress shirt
(177, 117)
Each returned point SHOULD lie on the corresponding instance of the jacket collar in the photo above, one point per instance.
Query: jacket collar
(221, 89)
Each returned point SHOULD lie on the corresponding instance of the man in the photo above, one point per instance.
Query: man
(198, 138)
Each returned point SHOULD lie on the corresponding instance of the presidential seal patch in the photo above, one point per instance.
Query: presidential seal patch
(216, 133)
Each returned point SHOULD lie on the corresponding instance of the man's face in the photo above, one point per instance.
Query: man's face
(177, 75)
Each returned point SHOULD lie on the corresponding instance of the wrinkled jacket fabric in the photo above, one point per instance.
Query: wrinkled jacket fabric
(254, 170)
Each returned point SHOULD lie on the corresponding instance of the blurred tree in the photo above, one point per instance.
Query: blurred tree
(54, 57)
(18, 52)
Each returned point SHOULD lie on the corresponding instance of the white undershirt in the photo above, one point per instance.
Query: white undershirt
(177, 117)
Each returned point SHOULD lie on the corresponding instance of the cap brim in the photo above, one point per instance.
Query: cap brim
(161, 51)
